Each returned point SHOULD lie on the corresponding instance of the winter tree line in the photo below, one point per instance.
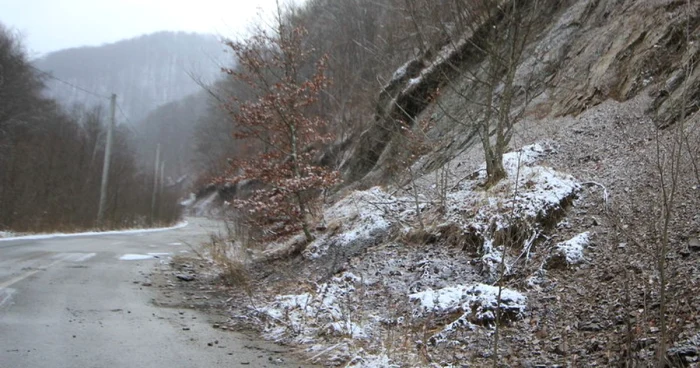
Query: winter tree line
(51, 159)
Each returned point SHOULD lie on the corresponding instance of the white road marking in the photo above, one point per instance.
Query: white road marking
(23, 276)
(74, 257)
(85, 257)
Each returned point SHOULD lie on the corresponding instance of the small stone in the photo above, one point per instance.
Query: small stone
(185, 328)
(210, 344)
(184, 277)
(215, 325)
(591, 327)
(560, 350)
(694, 244)
(147, 284)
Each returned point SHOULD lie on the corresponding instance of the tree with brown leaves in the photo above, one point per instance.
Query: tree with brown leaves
(278, 122)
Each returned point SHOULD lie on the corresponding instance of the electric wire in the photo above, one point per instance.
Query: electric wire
(95, 94)
(51, 76)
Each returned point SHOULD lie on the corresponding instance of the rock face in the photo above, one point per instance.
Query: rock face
(584, 52)
(617, 49)
(144, 72)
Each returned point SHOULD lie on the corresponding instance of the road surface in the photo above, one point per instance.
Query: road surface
(72, 302)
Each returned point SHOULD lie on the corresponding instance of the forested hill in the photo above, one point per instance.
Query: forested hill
(145, 72)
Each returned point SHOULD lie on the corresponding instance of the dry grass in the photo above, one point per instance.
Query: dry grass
(230, 254)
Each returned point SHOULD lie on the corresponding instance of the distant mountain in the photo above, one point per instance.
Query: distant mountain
(145, 72)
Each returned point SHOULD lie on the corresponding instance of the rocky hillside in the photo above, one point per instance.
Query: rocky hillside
(145, 72)
(584, 52)
(586, 254)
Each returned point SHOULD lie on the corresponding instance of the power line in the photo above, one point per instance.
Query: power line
(51, 76)
(123, 113)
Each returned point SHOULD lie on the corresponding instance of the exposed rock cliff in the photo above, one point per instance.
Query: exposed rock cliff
(584, 52)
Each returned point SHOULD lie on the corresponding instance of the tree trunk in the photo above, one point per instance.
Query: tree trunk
(300, 201)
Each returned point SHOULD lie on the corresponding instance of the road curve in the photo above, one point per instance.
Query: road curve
(72, 302)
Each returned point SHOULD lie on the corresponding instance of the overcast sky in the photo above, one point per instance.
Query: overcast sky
(50, 25)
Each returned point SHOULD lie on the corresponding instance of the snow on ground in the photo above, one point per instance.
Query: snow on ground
(141, 257)
(524, 201)
(363, 217)
(448, 52)
(92, 233)
(571, 250)
(478, 301)
(528, 192)
(371, 361)
(336, 318)
(7, 234)
(401, 71)
(331, 320)
(307, 316)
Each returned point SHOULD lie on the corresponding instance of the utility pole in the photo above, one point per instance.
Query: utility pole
(162, 178)
(156, 173)
(105, 167)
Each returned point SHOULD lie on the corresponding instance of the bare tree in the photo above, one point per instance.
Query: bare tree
(509, 27)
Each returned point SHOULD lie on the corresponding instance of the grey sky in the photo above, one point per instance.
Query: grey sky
(49, 25)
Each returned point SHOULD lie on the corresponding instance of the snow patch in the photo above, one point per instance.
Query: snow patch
(476, 303)
(363, 360)
(570, 251)
(141, 257)
(364, 217)
(306, 317)
(7, 234)
(479, 301)
(401, 71)
(573, 248)
(413, 81)
(523, 201)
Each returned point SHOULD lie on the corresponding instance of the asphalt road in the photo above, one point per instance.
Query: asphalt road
(72, 302)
